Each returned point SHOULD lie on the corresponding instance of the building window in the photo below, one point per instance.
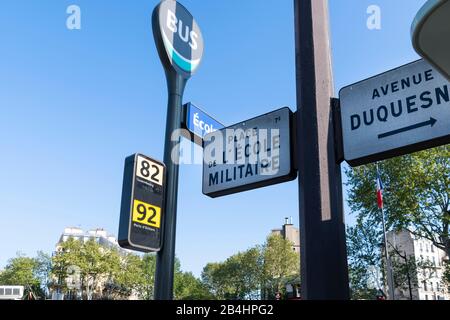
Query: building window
(426, 297)
(421, 247)
(434, 261)
(438, 287)
(425, 286)
(427, 247)
(432, 248)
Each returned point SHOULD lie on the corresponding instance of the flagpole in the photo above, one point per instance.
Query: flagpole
(390, 278)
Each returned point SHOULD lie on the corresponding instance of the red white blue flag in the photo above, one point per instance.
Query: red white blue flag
(379, 191)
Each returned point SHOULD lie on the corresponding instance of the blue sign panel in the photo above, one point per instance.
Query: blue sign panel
(199, 123)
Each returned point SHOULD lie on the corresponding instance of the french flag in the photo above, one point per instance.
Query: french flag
(379, 191)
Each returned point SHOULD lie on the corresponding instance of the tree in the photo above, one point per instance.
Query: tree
(125, 276)
(22, 271)
(259, 271)
(43, 271)
(63, 261)
(237, 278)
(93, 264)
(364, 250)
(280, 263)
(246, 270)
(406, 271)
(146, 281)
(416, 194)
(446, 279)
(188, 287)
(85, 267)
(214, 278)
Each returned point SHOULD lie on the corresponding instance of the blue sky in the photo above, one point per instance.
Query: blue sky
(74, 104)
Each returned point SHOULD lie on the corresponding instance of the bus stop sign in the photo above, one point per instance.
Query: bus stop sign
(141, 210)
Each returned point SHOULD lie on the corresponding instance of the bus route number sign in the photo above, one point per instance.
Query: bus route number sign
(141, 210)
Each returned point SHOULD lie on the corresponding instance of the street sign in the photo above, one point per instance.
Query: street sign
(198, 123)
(248, 155)
(141, 210)
(178, 38)
(430, 33)
(398, 112)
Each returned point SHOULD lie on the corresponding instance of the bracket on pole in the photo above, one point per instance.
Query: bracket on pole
(337, 124)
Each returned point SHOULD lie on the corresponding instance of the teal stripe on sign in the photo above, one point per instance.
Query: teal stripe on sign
(186, 66)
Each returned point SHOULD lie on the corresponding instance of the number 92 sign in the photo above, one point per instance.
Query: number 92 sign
(141, 211)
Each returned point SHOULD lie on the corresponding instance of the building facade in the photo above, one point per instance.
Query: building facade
(98, 235)
(73, 280)
(289, 232)
(420, 267)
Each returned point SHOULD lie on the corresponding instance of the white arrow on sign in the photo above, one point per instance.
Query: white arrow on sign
(400, 111)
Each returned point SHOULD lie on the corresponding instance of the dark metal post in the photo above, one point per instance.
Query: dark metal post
(408, 275)
(324, 273)
(166, 257)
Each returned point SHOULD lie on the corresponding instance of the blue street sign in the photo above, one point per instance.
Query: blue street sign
(199, 123)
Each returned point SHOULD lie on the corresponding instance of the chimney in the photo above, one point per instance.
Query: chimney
(286, 221)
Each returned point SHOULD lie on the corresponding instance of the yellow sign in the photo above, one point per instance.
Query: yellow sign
(147, 214)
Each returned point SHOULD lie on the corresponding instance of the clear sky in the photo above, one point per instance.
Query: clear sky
(75, 103)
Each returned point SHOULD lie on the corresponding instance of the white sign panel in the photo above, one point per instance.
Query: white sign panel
(251, 154)
(401, 111)
(149, 170)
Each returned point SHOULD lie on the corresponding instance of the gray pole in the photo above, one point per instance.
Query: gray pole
(166, 257)
(390, 278)
(324, 273)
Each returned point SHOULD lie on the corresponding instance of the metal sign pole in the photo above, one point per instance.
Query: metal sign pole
(166, 256)
(324, 271)
(180, 58)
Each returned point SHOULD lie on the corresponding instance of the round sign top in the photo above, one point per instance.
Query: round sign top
(430, 32)
(178, 37)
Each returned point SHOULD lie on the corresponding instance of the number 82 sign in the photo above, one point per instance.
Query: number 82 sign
(141, 211)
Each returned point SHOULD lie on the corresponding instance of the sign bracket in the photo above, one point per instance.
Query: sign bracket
(337, 124)
(294, 150)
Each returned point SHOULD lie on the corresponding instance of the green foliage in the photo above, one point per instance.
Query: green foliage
(122, 275)
(91, 271)
(416, 198)
(214, 277)
(43, 271)
(91, 260)
(280, 263)
(188, 287)
(22, 271)
(446, 278)
(416, 194)
(363, 250)
(248, 274)
(146, 278)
